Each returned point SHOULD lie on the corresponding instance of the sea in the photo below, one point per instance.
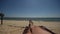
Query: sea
(36, 19)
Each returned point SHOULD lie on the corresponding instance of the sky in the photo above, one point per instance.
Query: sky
(30, 8)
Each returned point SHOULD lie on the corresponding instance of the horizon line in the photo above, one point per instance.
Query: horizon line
(32, 17)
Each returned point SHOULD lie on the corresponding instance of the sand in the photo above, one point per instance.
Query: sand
(54, 26)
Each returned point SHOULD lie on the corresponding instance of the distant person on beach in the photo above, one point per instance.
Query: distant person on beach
(32, 29)
(30, 23)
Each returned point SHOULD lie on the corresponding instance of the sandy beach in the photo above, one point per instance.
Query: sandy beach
(17, 24)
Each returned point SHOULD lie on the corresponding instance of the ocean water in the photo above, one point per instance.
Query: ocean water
(36, 19)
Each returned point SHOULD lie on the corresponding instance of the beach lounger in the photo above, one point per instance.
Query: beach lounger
(44, 28)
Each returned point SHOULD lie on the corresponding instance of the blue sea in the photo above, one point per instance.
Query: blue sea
(36, 19)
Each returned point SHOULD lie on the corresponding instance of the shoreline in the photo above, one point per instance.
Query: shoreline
(54, 26)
